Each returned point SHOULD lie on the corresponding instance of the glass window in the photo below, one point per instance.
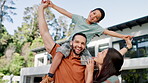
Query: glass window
(28, 79)
(92, 50)
(102, 47)
(143, 47)
(139, 49)
(40, 61)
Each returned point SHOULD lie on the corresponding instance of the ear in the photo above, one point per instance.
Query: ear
(70, 43)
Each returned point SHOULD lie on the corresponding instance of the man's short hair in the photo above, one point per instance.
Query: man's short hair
(102, 13)
(79, 34)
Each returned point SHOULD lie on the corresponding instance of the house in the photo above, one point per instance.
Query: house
(135, 67)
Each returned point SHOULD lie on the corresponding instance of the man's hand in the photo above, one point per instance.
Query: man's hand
(44, 3)
(46, 79)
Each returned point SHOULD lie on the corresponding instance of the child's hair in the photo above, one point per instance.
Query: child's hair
(102, 13)
(111, 65)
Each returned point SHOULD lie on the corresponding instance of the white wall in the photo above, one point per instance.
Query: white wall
(135, 31)
(37, 61)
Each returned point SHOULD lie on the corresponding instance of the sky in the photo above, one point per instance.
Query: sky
(117, 11)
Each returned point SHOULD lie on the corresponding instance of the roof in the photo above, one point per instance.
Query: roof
(120, 27)
(129, 24)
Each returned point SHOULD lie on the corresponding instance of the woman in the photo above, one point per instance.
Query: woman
(108, 63)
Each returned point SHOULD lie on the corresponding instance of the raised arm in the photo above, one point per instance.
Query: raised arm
(128, 46)
(89, 71)
(60, 10)
(114, 34)
(43, 28)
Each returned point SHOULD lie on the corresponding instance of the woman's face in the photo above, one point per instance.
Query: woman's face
(100, 57)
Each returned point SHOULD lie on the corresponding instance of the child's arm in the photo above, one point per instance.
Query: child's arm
(60, 10)
(114, 34)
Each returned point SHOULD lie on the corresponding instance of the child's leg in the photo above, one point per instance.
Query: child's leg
(85, 57)
(63, 50)
(56, 62)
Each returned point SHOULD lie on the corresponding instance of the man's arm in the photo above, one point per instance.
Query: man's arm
(114, 34)
(60, 10)
(43, 28)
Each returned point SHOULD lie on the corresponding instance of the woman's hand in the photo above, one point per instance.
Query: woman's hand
(129, 45)
(90, 66)
(128, 42)
(89, 70)
(127, 36)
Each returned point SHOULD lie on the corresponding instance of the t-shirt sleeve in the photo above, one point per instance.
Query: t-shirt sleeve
(75, 18)
(112, 79)
(53, 51)
(100, 30)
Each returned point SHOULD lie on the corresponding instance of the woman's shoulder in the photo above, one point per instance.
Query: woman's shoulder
(112, 79)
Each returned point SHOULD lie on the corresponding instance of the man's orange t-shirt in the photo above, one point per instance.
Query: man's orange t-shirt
(70, 70)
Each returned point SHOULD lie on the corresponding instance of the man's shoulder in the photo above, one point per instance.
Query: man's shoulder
(53, 51)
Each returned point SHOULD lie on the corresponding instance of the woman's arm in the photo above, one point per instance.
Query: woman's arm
(129, 46)
(89, 71)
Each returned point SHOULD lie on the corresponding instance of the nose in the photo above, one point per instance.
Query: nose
(93, 16)
(80, 45)
(99, 53)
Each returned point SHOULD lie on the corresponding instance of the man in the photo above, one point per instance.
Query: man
(70, 69)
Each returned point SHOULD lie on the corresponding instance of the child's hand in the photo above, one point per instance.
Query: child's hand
(127, 36)
(50, 4)
(44, 3)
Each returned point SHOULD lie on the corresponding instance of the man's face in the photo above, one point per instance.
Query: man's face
(78, 44)
(94, 16)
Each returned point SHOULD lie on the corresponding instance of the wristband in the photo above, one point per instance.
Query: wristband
(127, 48)
(50, 75)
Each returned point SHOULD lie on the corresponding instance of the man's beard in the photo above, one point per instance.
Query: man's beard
(75, 51)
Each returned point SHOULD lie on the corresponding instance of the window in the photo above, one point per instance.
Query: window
(139, 49)
(37, 79)
(102, 47)
(49, 59)
(28, 79)
(92, 50)
(40, 61)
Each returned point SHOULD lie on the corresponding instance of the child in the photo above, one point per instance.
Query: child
(87, 26)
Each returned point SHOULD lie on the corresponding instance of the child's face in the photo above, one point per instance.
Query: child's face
(94, 16)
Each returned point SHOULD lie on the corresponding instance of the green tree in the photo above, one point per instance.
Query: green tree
(5, 39)
(16, 64)
(6, 10)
